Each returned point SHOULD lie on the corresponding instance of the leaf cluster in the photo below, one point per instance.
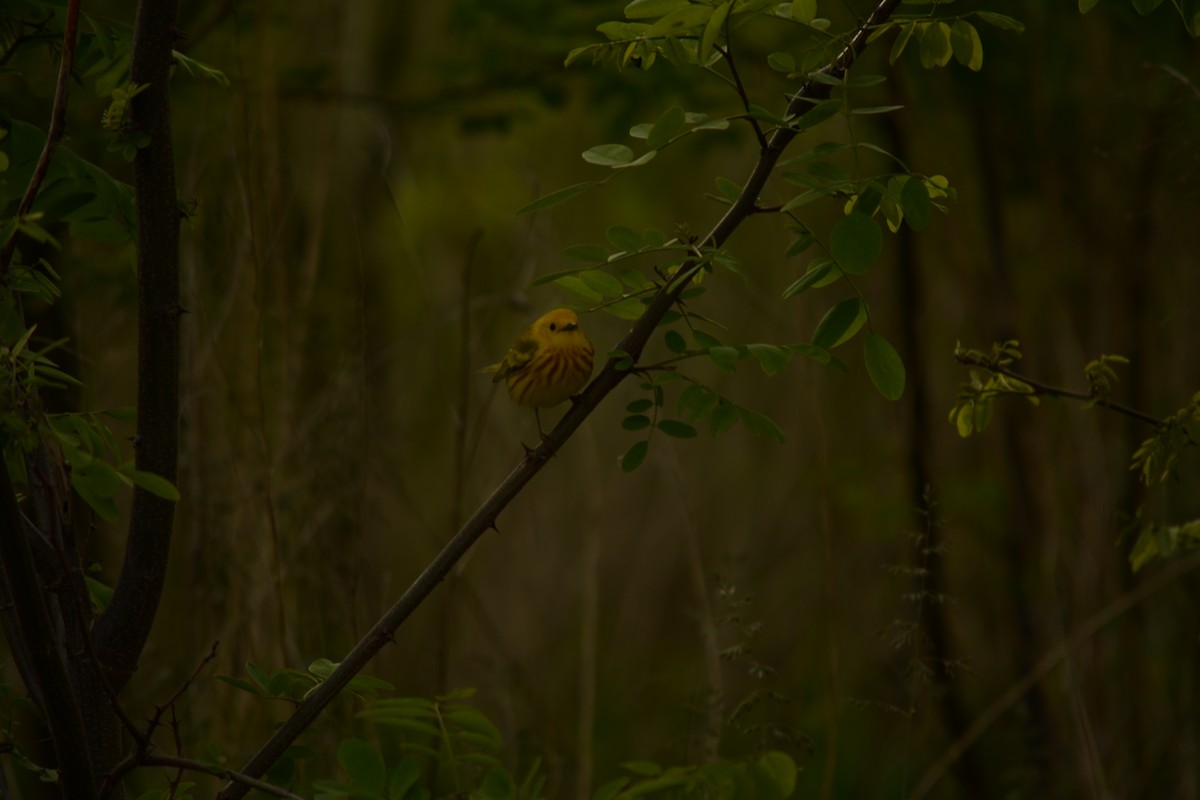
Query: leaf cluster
(972, 410)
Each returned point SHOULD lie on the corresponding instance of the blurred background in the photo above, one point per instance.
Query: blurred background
(857, 595)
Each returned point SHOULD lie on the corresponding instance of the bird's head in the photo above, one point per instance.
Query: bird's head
(558, 323)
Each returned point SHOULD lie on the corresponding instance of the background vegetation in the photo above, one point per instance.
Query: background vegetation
(856, 596)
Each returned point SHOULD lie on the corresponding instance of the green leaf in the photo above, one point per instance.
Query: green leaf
(652, 9)
(820, 76)
(322, 668)
(781, 62)
(723, 417)
(681, 22)
(724, 357)
(935, 44)
(363, 764)
(483, 733)
(669, 125)
(840, 323)
(804, 11)
(600, 281)
(576, 52)
(675, 342)
(97, 485)
(194, 67)
(632, 278)
(968, 49)
(696, 402)
(771, 358)
(575, 285)
(240, 683)
(644, 158)
(705, 340)
(154, 484)
(639, 405)
(863, 81)
(497, 785)
(677, 429)
(623, 238)
(587, 252)
(728, 189)
(760, 424)
(634, 456)
(856, 242)
(818, 354)
(828, 171)
(820, 112)
(611, 789)
(868, 110)
(712, 32)
(884, 366)
(906, 32)
(618, 31)
(1007, 23)
(404, 776)
(914, 199)
(867, 201)
(821, 272)
(609, 155)
(635, 422)
(554, 198)
(258, 675)
(779, 770)
(629, 308)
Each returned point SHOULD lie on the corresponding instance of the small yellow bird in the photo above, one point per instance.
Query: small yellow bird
(549, 363)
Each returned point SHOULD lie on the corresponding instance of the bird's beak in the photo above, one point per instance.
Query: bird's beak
(570, 326)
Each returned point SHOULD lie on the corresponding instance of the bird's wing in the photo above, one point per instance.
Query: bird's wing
(517, 359)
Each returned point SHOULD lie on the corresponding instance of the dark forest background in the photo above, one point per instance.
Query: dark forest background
(352, 258)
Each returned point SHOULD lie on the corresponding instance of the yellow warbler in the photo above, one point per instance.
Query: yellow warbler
(550, 361)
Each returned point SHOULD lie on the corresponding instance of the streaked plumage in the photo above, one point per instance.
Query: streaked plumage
(550, 362)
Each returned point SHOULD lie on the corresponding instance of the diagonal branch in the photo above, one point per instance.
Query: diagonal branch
(632, 344)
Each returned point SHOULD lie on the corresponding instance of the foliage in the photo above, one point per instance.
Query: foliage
(972, 411)
(701, 36)
(1154, 460)
(418, 748)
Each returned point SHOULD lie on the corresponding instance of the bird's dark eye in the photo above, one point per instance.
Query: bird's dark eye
(553, 327)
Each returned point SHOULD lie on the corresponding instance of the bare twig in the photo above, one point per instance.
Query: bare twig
(143, 739)
(727, 54)
(56, 132)
(633, 343)
(24, 38)
(1045, 389)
